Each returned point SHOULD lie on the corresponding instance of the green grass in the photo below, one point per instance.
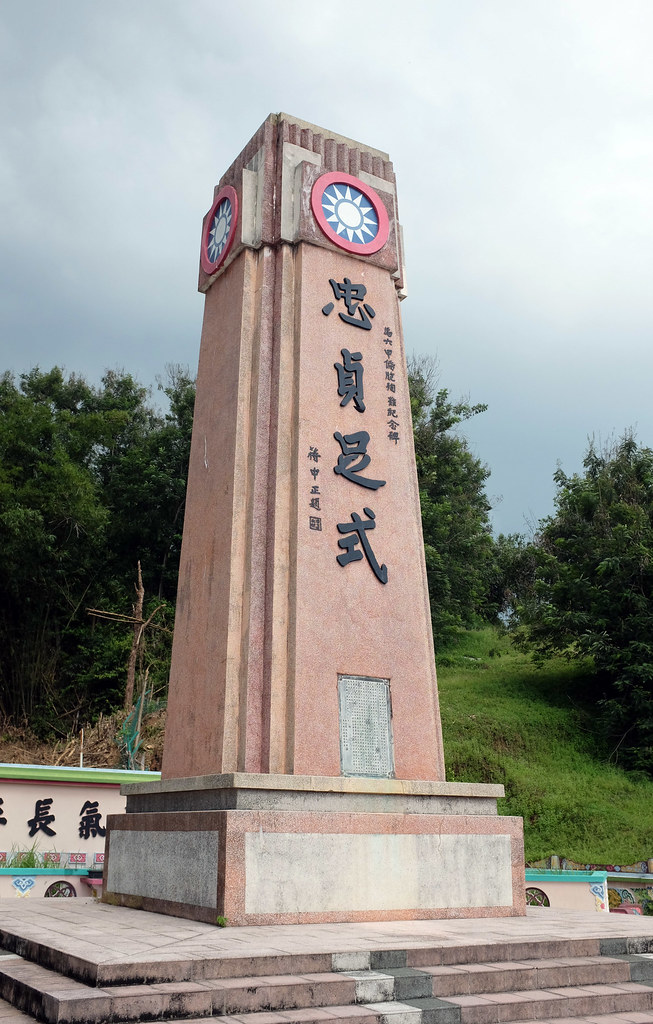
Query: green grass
(506, 721)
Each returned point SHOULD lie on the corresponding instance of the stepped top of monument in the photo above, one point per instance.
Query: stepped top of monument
(336, 152)
(325, 133)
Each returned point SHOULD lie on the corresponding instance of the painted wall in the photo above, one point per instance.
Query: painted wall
(571, 890)
(59, 812)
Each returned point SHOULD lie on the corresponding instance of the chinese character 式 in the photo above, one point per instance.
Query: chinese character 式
(357, 534)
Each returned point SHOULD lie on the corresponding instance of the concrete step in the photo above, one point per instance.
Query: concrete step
(54, 998)
(598, 1004)
(10, 1015)
(568, 1003)
(511, 976)
(193, 968)
(480, 992)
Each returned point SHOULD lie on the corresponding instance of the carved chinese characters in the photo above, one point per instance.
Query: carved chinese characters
(354, 457)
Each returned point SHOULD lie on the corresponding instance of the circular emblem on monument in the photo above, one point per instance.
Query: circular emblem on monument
(219, 230)
(350, 213)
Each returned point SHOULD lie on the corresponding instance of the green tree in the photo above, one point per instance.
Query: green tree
(593, 590)
(458, 544)
(143, 479)
(92, 479)
(52, 526)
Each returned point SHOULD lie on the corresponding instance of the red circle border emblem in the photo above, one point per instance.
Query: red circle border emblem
(226, 192)
(334, 177)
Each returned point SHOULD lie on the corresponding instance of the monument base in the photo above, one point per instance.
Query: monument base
(286, 849)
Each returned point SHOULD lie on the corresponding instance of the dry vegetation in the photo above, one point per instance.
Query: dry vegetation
(18, 745)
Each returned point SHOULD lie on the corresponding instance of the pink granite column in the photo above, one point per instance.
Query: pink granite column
(268, 617)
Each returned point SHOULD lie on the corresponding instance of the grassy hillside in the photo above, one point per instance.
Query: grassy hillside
(506, 721)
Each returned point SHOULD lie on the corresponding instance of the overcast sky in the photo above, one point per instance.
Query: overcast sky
(522, 137)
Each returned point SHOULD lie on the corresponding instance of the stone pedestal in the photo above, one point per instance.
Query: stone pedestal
(303, 771)
(279, 849)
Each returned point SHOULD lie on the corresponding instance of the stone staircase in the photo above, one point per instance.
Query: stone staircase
(598, 980)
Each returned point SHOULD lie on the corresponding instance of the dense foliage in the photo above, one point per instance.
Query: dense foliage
(460, 558)
(92, 480)
(592, 595)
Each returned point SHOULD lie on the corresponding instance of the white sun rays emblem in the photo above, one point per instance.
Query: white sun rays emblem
(219, 233)
(349, 214)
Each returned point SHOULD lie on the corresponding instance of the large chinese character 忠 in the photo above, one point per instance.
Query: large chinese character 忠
(359, 313)
(357, 534)
(354, 459)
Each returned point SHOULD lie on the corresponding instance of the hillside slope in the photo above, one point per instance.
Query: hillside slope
(504, 720)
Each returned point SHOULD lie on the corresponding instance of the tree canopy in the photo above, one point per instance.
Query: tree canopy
(592, 595)
(458, 543)
(92, 479)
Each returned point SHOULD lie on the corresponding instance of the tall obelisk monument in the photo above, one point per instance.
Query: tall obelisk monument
(302, 584)
(303, 733)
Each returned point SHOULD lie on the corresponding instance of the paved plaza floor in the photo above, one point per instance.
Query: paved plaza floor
(104, 934)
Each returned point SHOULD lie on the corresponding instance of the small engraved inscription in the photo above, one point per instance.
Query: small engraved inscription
(366, 745)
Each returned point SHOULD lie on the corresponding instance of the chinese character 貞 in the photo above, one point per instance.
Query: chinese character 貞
(353, 295)
(42, 818)
(357, 534)
(350, 378)
(89, 820)
(354, 459)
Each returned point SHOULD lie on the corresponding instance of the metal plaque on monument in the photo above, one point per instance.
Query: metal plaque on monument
(303, 773)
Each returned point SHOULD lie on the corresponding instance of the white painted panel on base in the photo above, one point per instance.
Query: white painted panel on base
(295, 873)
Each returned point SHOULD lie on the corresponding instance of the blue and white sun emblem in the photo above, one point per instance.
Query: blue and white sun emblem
(219, 231)
(349, 213)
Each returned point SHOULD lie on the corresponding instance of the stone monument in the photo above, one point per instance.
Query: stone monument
(303, 772)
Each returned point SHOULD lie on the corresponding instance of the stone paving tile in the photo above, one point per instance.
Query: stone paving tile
(309, 1013)
(115, 931)
(10, 1015)
(256, 1018)
(469, 1000)
(351, 1011)
(632, 1017)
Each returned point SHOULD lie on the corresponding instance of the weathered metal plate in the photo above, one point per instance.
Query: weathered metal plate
(366, 744)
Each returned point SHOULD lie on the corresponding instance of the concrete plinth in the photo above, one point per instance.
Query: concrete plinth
(297, 849)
